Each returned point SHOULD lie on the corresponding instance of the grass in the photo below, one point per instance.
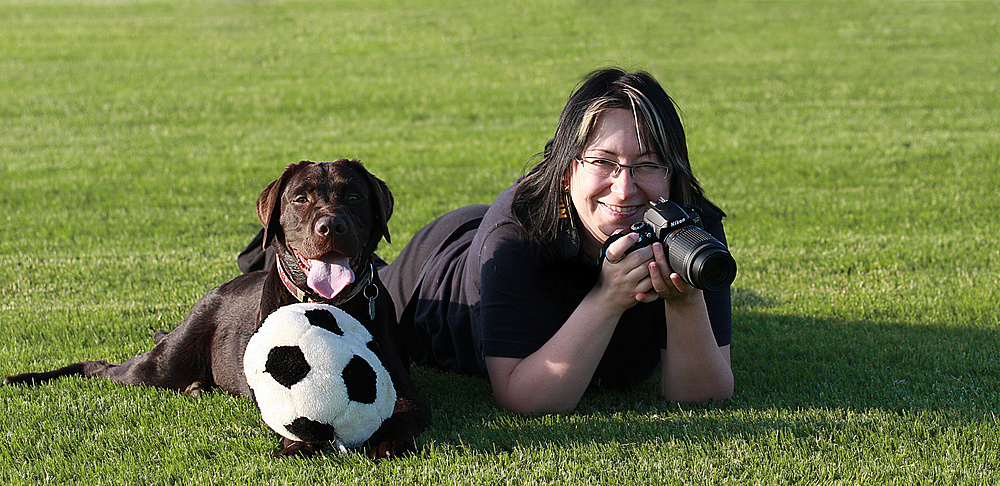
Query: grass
(854, 144)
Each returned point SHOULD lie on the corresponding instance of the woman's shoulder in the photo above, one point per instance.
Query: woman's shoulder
(711, 219)
(499, 233)
(710, 212)
(500, 214)
(501, 207)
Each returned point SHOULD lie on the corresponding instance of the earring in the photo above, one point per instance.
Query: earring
(567, 242)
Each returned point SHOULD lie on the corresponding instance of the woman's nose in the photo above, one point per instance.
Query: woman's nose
(622, 184)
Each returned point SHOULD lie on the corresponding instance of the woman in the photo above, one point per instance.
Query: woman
(517, 291)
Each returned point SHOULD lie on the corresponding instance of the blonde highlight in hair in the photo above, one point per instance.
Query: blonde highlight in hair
(656, 129)
(590, 117)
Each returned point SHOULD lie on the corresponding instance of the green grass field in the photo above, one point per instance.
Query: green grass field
(854, 144)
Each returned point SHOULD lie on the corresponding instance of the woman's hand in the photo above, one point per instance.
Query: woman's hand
(643, 276)
(667, 285)
(625, 278)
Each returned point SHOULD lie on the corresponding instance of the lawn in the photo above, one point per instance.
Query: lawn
(854, 144)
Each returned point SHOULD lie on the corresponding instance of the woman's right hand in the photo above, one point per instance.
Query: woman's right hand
(625, 279)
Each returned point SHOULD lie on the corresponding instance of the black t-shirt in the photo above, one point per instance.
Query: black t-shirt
(469, 285)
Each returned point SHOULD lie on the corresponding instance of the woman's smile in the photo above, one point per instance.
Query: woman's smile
(621, 212)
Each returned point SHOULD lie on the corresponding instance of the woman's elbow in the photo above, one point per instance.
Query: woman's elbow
(527, 407)
(723, 394)
(718, 392)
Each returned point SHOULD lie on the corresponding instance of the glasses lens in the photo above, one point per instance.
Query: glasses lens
(650, 172)
(600, 167)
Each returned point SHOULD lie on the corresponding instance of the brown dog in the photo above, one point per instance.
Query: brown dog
(324, 221)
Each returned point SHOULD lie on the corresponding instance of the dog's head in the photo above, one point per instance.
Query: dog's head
(325, 220)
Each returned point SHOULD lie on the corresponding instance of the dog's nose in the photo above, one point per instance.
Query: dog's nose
(330, 226)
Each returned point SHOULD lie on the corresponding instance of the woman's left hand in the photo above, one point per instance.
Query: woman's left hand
(667, 286)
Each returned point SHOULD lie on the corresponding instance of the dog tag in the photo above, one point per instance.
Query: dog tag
(371, 300)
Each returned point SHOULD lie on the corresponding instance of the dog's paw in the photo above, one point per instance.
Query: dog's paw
(196, 388)
(389, 449)
(397, 435)
(291, 447)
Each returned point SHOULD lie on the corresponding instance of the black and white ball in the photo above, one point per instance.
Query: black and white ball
(316, 376)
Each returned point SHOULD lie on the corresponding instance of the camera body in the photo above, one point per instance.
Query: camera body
(699, 258)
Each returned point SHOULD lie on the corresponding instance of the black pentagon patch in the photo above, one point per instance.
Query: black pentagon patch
(324, 319)
(312, 431)
(287, 365)
(360, 380)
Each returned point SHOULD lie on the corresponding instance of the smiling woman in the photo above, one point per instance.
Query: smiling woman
(516, 290)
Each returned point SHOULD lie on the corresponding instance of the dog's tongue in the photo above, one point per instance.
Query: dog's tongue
(329, 275)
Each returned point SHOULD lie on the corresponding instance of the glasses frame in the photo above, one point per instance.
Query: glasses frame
(618, 168)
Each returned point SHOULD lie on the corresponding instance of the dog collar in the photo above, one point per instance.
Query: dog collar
(366, 285)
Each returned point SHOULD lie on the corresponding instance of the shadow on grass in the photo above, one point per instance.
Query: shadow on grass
(800, 361)
(795, 375)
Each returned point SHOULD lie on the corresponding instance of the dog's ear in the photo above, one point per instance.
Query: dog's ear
(383, 202)
(269, 202)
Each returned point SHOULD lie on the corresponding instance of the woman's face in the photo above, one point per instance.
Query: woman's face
(607, 204)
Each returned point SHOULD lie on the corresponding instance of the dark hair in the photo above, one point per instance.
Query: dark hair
(538, 193)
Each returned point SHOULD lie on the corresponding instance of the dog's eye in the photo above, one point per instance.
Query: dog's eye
(353, 197)
(301, 199)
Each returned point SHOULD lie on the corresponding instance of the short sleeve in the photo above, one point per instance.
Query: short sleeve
(523, 300)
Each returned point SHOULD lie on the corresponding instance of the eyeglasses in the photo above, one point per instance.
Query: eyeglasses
(610, 168)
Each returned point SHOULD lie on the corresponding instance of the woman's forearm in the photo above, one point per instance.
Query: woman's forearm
(554, 378)
(694, 367)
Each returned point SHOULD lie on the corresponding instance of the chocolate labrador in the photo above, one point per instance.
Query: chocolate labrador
(324, 221)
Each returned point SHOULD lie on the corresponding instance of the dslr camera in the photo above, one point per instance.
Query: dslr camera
(699, 258)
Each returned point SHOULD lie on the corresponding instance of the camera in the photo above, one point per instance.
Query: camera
(699, 258)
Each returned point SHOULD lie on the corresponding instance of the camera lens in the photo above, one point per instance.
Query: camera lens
(713, 269)
(700, 259)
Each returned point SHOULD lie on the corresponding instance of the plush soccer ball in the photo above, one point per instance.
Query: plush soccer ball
(316, 377)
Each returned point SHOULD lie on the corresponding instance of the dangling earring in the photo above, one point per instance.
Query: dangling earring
(568, 239)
